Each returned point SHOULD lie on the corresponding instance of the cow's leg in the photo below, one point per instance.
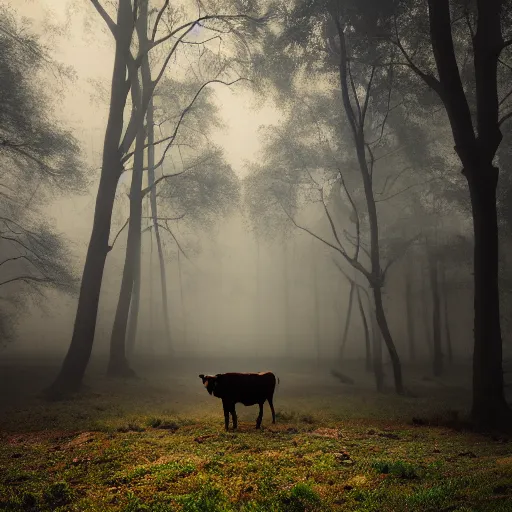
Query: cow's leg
(226, 407)
(260, 415)
(272, 409)
(233, 414)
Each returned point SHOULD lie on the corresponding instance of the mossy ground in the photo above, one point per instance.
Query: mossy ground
(159, 445)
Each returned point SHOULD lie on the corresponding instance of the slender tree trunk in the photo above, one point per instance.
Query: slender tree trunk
(436, 313)
(158, 238)
(134, 304)
(367, 343)
(409, 305)
(286, 274)
(376, 277)
(118, 364)
(259, 331)
(317, 304)
(425, 314)
(388, 340)
(79, 352)
(444, 292)
(182, 298)
(151, 338)
(348, 317)
(378, 370)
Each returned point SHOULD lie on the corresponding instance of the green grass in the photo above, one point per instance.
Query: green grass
(135, 446)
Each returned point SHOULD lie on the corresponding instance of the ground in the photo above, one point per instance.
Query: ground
(158, 444)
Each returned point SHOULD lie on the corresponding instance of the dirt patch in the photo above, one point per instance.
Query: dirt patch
(327, 432)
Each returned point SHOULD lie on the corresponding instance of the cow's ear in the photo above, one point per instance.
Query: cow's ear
(201, 376)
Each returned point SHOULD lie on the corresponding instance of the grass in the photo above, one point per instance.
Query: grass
(159, 445)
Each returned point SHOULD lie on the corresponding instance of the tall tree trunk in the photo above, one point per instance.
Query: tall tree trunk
(118, 364)
(348, 317)
(477, 154)
(376, 276)
(409, 305)
(182, 299)
(134, 304)
(367, 343)
(444, 292)
(427, 324)
(73, 368)
(158, 238)
(317, 303)
(286, 275)
(388, 340)
(489, 405)
(257, 309)
(436, 313)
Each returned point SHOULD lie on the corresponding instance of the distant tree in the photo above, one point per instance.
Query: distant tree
(39, 159)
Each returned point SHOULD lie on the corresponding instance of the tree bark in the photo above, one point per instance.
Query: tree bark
(367, 343)
(411, 341)
(436, 313)
(488, 406)
(444, 291)
(73, 368)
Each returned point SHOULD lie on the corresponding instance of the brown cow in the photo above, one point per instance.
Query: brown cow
(244, 388)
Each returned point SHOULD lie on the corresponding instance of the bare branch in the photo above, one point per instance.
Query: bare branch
(110, 247)
(15, 258)
(430, 80)
(145, 191)
(399, 255)
(158, 18)
(367, 97)
(104, 14)
(404, 190)
(169, 230)
(186, 110)
(354, 263)
(358, 227)
(26, 279)
(505, 118)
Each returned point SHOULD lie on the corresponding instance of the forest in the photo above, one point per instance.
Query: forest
(199, 186)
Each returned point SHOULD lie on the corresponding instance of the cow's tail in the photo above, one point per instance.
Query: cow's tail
(278, 381)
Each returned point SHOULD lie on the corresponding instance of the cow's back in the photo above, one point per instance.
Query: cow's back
(246, 388)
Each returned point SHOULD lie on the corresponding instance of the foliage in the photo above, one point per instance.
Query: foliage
(38, 159)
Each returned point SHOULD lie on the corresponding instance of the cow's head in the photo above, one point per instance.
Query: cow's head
(209, 382)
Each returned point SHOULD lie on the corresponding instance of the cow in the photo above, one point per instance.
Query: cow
(244, 388)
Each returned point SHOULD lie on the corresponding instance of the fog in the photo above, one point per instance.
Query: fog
(230, 298)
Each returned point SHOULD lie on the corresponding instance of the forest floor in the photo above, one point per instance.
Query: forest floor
(158, 444)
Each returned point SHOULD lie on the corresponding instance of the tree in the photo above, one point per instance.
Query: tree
(475, 35)
(38, 158)
(116, 153)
